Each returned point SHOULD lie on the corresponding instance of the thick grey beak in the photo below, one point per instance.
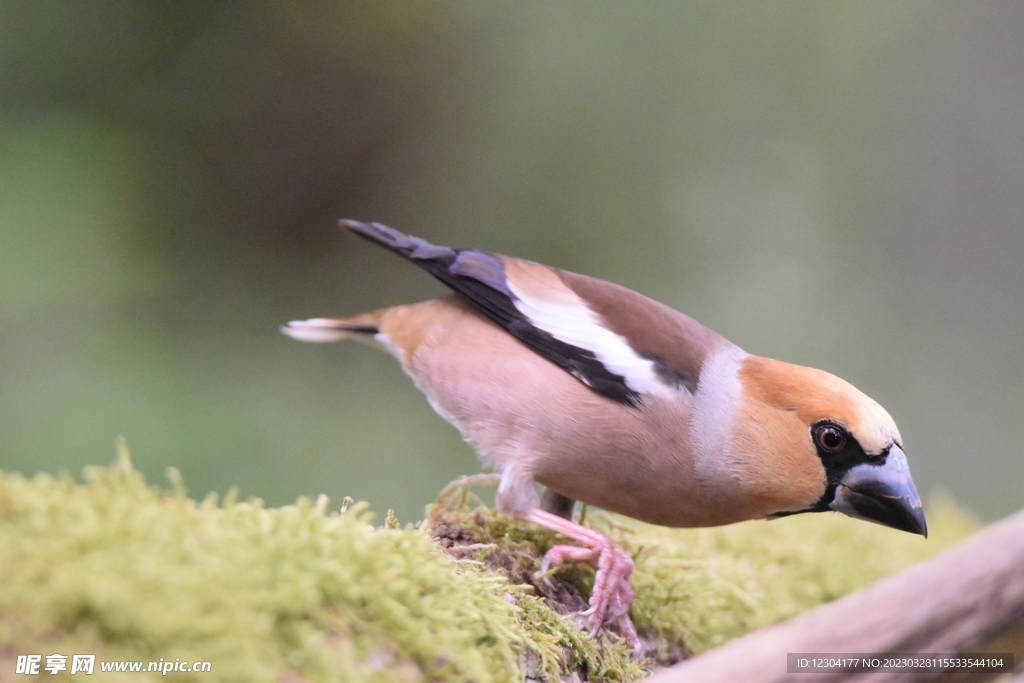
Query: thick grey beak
(884, 494)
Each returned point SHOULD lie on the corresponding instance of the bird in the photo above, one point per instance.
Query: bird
(605, 396)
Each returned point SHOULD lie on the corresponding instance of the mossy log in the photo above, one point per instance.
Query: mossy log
(126, 571)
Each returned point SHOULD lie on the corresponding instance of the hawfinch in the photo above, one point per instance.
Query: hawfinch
(607, 397)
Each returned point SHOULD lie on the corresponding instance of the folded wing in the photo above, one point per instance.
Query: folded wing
(616, 341)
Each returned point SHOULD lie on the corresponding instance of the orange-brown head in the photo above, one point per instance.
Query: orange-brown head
(809, 441)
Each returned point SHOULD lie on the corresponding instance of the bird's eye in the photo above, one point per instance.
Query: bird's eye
(830, 438)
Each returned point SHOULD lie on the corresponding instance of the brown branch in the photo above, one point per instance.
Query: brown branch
(969, 598)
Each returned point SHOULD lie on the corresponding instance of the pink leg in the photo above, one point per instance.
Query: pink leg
(612, 596)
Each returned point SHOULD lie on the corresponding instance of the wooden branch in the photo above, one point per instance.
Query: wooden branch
(968, 598)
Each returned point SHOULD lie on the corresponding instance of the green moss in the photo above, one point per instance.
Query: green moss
(115, 568)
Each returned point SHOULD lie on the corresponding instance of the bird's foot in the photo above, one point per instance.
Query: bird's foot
(611, 596)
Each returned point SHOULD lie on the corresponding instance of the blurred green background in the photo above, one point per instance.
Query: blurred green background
(836, 184)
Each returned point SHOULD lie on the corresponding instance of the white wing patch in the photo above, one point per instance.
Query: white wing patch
(575, 324)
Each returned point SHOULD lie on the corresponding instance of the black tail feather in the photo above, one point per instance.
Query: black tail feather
(361, 329)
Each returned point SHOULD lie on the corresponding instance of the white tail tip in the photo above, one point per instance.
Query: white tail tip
(319, 330)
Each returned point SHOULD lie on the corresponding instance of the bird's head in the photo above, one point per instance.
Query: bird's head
(812, 442)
